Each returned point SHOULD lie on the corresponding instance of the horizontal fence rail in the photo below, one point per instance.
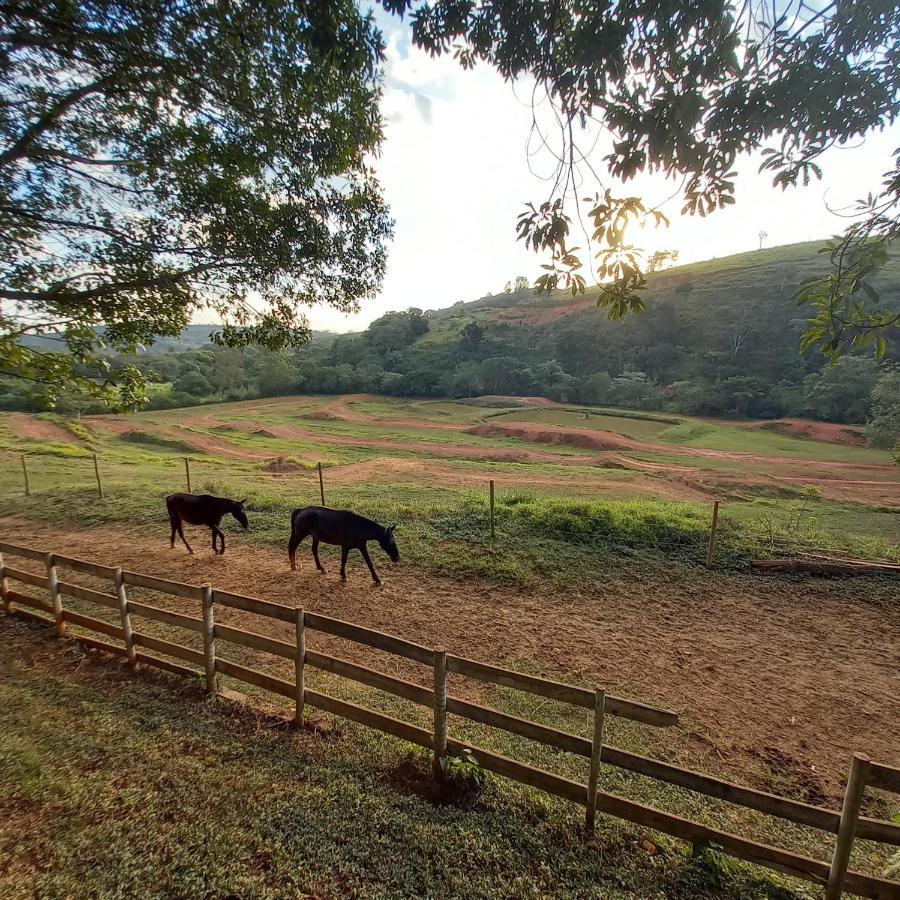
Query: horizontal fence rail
(846, 824)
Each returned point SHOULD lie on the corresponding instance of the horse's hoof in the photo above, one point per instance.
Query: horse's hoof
(378, 584)
(323, 571)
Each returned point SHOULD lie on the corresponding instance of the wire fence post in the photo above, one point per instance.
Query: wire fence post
(853, 794)
(596, 752)
(187, 473)
(97, 473)
(4, 587)
(493, 531)
(55, 596)
(440, 713)
(711, 551)
(299, 663)
(25, 473)
(321, 485)
(125, 616)
(209, 638)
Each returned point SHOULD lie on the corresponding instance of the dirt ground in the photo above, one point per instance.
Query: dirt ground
(30, 428)
(766, 673)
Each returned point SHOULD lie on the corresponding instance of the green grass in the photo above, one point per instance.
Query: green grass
(118, 785)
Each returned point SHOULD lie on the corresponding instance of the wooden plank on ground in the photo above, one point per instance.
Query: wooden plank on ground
(404, 730)
(253, 676)
(164, 615)
(256, 641)
(255, 605)
(163, 585)
(39, 581)
(32, 602)
(555, 690)
(89, 594)
(93, 624)
(179, 651)
(368, 636)
(370, 677)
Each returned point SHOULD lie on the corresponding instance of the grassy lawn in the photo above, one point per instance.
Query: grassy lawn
(118, 785)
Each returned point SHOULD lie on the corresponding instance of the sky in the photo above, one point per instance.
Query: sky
(455, 173)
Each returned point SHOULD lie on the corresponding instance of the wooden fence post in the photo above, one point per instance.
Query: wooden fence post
(493, 532)
(440, 713)
(853, 794)
(25, 473)
(299, 663)
(596, 750)
(710, 553)
(321, 485)
(4, 587)
(125, 616)
(209, 638)
(97, 473)
(55, 596)
(187, 473)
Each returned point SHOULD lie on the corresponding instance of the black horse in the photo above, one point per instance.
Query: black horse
(344, 528)
(203, 509)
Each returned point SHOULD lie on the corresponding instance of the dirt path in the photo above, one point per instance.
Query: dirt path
(764, 671)
(30, 428)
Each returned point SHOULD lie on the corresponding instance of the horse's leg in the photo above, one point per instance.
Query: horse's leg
(183, 538)
(216, 533)
(174, 523)
(297, 537)
(365, 555)
(344, 552)
(316, 554)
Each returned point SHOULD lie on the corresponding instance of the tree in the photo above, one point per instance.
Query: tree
(471, 337)
(684, 90)
(842, 392)
(661, 259)
(158, 158)
(883, 426)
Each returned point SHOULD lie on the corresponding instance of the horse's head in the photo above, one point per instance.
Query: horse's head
(389, 545)
(240, 513)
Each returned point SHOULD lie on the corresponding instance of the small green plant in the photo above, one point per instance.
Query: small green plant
(463, 774)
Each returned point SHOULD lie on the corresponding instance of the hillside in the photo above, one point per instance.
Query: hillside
(718, 338)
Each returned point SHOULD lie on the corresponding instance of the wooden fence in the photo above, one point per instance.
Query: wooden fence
(847, 824)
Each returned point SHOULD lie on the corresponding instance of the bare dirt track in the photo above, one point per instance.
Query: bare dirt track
(765, 672)
(31, 428)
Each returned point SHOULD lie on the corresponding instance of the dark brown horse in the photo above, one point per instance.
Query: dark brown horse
(203, 509)
(344, 528)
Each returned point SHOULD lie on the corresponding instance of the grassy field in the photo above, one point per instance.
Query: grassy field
(160, 787)
(417, 462)
(115, 785)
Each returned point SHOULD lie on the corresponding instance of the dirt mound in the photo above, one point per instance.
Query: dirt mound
(830, 432)
(547, 434)
(264, 432)
(281, 465)
(29, 428)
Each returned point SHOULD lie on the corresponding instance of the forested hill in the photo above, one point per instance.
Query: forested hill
(719, 337)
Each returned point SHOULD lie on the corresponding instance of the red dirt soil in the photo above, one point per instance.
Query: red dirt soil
(29, 428)
(756, 666)
(830, 432)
